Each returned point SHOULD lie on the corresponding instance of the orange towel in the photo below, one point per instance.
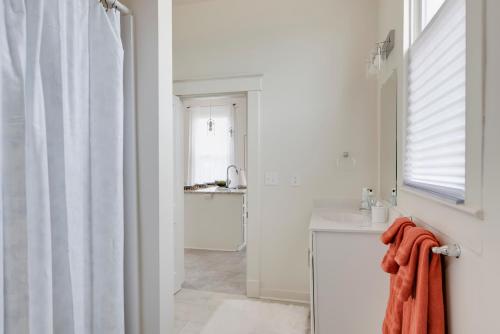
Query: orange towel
(394, 237)
(415, 303)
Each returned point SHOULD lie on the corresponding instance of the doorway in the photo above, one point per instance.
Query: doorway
(250, 88)
(210, 195)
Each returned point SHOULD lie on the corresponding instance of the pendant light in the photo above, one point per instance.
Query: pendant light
(231, 130)
(211, 123)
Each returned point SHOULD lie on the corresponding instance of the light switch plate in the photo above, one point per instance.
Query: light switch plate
(271, 179)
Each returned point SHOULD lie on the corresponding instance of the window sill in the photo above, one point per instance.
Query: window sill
(471, 211)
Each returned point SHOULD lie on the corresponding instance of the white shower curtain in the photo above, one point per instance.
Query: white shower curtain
(61, 168)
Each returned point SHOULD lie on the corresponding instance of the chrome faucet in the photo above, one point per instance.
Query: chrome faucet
(228, 181)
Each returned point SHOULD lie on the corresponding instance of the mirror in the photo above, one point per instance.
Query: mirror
(388, 137)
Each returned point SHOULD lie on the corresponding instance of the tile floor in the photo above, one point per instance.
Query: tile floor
(215, 271)
(210, 278)
(193, 309)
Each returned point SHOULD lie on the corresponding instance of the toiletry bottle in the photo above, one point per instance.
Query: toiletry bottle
(379, 213)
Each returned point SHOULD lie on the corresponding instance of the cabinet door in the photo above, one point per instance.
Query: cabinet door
(350, 289)
(213, 222)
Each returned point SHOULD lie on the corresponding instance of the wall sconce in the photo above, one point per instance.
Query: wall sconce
(380, 53)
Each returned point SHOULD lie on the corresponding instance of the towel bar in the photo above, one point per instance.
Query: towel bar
(453, 250)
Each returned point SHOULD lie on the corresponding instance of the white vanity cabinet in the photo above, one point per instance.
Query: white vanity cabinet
(349, 290)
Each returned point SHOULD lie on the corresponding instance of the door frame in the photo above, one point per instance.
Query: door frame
(178, 193)
(251, 86)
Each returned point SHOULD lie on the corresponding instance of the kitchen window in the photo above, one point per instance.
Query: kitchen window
(211, 142)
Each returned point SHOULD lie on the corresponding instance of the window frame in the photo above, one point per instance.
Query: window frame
(475, 68)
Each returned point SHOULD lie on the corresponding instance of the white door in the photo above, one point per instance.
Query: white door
(178, 192)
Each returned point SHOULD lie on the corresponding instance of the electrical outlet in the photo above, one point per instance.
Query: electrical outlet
(295, 180)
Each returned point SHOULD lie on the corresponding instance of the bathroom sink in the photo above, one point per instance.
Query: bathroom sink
(342, 215)
(344, 218)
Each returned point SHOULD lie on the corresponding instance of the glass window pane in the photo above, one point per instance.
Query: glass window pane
(429, 9)
(210, 151)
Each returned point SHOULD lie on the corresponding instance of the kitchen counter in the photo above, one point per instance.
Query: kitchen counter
(217, 190)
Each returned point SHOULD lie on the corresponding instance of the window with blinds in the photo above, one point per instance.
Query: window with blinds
(435, 126)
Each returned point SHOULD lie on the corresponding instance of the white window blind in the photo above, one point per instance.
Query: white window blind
(435, 127)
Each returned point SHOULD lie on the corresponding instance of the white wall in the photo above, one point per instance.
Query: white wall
(153, 60)
(317, 103)
(472, 281)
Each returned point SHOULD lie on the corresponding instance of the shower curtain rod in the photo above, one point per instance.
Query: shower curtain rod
(118, 6)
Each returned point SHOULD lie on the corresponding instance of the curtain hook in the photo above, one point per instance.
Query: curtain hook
(105, 4)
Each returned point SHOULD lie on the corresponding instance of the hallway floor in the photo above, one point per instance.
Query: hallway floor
(215, 271)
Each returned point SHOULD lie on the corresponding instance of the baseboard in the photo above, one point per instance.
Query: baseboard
(299, 297)
(254, 291)
(253, 288)
(213, 249)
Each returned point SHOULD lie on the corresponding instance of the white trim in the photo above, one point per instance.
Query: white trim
(415, 23)
(254, 177)
(298, 297)
(252, 86)
(218, 85)
(402, 93)
(213, 249)
(253, 288)
(475, 68)
(475, 212)
(475, 101)
(153, 87)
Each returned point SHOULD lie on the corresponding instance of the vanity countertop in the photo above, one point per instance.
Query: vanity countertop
(217, 190)
(343, 216)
